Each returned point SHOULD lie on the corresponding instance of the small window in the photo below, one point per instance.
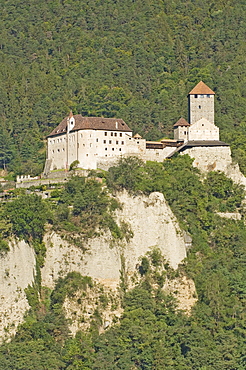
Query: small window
(137, 142)
(90, 145)
(97, 140)
(53, 151)
(115, 134)
(120, 149)
(110, 141)
(105, 133)
(112, 134)
(201, 96)
(104, 141)
(208, 96)
(184, 132)
(113, 149)
(106, 148)
(117, 142)
(58, 150)
(202, 124)
(199, 107)
(196, 96)
(120, 134)
(122, 143)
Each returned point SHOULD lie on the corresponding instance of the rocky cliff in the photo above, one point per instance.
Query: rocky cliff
(153, 225)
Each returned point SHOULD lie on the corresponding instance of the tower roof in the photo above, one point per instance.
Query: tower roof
(181, 122)
(202, 89)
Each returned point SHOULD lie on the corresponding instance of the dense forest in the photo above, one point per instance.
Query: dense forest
(152, 333)
(136, 60)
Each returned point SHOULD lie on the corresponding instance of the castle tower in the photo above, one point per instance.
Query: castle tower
(201, 103)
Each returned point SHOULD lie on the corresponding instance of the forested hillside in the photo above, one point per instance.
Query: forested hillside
(151, 334)
(136, 60)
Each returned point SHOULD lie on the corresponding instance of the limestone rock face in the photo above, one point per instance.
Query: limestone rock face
(17, 271)
(153, 225)
(103, 259)
(216, 159)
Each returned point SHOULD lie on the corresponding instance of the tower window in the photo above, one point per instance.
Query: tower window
(208, 96)
(105, 133)
(199, 107)
(196, 95)
(201, 96)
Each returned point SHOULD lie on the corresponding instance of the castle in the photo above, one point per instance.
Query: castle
(97, 142)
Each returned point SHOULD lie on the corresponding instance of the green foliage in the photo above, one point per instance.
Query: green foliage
(84, 208)
(73, 165)
(28, 215)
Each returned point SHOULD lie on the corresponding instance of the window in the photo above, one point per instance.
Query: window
(105, 133)
(115, 134)
(208, 96)
(104, 141)
(110, 141)
(199, 107)
(97, 140)
(90, 145)
(58, 150)
(184, 132)
(122, 143)
(120, 134)
(120, 149)
(196, 95)
(112, 134)
(113, 149)
(137, 142)
(106, 148)
(201, 96)
(117, 142)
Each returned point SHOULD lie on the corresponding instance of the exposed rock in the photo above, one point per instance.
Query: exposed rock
(216, 159)
(17, 270)
(185, 291)
(153, 225)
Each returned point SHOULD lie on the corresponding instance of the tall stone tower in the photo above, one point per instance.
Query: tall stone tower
(201, 103)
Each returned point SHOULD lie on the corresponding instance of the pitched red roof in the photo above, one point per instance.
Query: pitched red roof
(202, 89)
(181, 122)
(91, 123)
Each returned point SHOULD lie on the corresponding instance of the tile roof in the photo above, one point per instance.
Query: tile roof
(201, 88)
(91, 123)
(181, 122)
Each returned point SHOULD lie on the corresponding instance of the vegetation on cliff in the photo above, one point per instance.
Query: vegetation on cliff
(152, 333)
(130, 59)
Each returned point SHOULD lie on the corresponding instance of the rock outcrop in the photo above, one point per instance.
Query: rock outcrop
(17, 271)
(103, 259)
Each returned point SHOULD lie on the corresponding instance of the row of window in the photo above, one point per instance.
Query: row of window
(110, 142)
(202, 96)
(113, 149)
(112, 133)
(72, 138)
